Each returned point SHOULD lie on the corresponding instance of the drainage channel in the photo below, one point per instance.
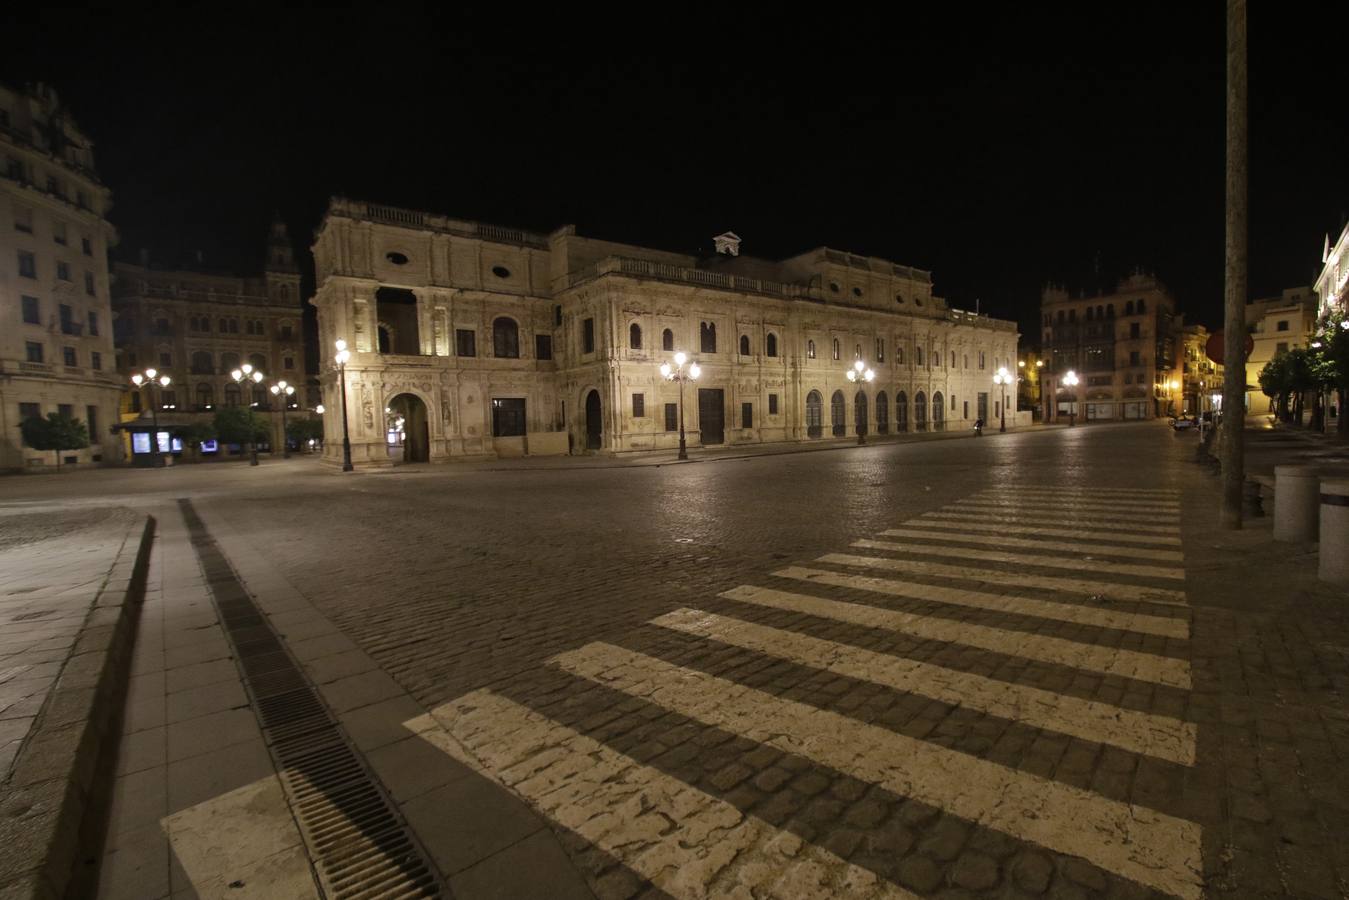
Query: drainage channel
(358, 842)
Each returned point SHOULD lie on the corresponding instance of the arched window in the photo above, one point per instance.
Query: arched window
(259, 395)
(836, 348)
(1110, 310)
(205, 396)
(506, 338)
(771, 344)
(901, 411)
(810, 349)
(1140, 306)
(224, 326)
(920, 411)
(744, 345)
(899, 355)
(814, 414)
(259, 362)
(634, 336)
(231, 395)
(1100, 312)
(229, 361)
(707, 337)
(918, 355)
(953, 359)
(667, 339)
(857, 352)
(938, 412)
(882, 413)
(837, 413)
(248, 327)
(201, 363)
(1129, 308)
(860, 416)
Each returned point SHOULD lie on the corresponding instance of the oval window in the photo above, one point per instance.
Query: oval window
(857, 292)
(917, 301)
(899, 298)
(501, 271)
(833, 286)
(398, 259)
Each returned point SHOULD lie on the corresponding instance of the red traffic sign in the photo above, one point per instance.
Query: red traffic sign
(1216, 344)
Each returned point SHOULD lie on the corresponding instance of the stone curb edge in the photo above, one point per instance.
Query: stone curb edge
(54, 801)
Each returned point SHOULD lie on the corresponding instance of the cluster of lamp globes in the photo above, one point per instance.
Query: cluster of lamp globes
(667, 371)
(860, 372)
(153, 376)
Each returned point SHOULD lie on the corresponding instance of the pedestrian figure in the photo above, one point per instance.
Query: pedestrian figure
(978, 427)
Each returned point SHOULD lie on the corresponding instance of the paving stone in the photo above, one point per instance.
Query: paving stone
(975, 871)
(1032, 872)
(1082, 873)
(919, 873)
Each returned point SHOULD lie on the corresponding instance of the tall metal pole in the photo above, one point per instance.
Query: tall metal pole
(1232, 452)
(154, 419)
(683, 450)
(285, 443)
(1002, 422)
(346, 437)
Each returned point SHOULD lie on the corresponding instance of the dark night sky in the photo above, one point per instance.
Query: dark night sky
(999, 154)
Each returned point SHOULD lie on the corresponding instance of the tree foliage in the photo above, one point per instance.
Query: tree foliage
(1320, 367)
(240, 425)
(302, 430)
(194, 433)
(56, 432)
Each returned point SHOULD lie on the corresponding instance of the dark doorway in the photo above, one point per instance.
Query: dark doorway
(408, 427)
(396, 309)
(594, 421)
(712, 415)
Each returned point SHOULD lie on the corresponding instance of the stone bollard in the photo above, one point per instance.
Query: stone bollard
(1296, 502)
(1334, 550)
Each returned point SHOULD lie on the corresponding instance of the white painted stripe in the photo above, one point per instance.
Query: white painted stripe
(1052, 520)
(680, 838)
(1088, 488)
(1075, 502)
(1149, 847)
(1042, 648)
(1077, 491)
(1024, 606)
(1106, 537)
(1159, 736)
(1073, 511)
(1078, 547)
(1167, 596)
(1029, 559)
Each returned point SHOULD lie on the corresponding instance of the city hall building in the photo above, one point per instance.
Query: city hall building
(470, 340)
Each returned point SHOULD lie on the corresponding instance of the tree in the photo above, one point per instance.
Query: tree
(56, 432)
(239, 425)
(194, 433)
(302, 431)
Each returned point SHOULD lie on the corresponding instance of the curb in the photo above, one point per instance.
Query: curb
(54, 801)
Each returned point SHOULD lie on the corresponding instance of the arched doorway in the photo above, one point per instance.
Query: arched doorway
(938, 412)
(837, 410)
(408, 431)
(814, 414)
(920, 411)
(594, 421)
(901, 412)
(860, 412)
(882, 413)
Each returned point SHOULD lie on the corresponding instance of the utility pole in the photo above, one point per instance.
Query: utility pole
(1232, 452)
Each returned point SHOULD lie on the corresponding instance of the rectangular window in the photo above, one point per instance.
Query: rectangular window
(639, 406)
(1135, 330)
(32, 312)
(588, 336)
(508, 417)
(87, 246)
(23, 219)
(63, 271)
(880, 349)
(772, 404)
(69, 357)
(1281, 347)
(747, 415)
(543, 346)
(67, 319)
(59, 233)
(34, 351)
(54, 186)
(166, 360)
(465, 342)
(672, 417)
(30, 411)
(96, 361)
(27, 264)
(65, 410)
(707, 337)
(1282, 326)
(91, 420)
(288, 362)
(557, 315)
(1134, 358)
(93, 323)
(286, 333)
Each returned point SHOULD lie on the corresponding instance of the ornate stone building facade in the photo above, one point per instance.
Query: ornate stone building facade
(1122, 346)
(197, 327)
(56, 349)
(471, 340)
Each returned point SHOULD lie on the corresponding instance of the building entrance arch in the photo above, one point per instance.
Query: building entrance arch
(594, 421)
(407, 431)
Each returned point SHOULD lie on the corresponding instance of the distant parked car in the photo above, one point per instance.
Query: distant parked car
(1180, 424)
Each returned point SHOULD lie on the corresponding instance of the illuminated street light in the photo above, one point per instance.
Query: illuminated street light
(677, 373)
(343, 354)
(860, 373)
(247, 373)
(149, 379)
(1002, 378)
(1070, 379)
(284, 392)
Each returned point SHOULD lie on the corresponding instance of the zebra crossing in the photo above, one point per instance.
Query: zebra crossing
(1023, 585)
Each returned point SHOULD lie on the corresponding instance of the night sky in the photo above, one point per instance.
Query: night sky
(1069, 145)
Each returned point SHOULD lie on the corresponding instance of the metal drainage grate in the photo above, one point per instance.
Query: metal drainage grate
(356, 839)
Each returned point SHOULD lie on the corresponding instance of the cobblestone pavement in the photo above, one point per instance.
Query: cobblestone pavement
(1025, 665)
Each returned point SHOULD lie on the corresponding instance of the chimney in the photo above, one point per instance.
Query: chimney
(727, 242)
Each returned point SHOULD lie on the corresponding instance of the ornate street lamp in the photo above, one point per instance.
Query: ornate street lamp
(1002, 378)
(343, 354)
(677, 373)
(150, 378)
(860, 373)
(1070, 379)
(244, 373)
(283, 392)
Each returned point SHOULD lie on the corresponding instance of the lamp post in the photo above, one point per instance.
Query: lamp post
(244, 373)
(860, 373)
(150, 379)
(1171, 396)
(677, 373)
(1070, 379)
(343, 354)
(283, 392)
(1002, 378)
